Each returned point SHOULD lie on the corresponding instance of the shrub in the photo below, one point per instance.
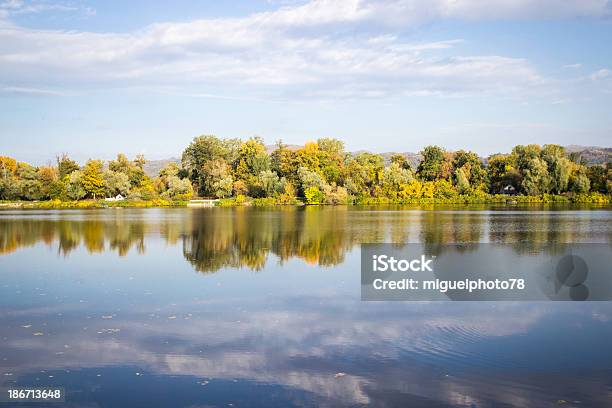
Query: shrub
(314, 196)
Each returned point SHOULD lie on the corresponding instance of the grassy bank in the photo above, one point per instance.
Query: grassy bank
(83, 204)
(591, 198)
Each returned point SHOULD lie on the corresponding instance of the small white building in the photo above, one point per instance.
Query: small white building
(118, 197)
(509, 190)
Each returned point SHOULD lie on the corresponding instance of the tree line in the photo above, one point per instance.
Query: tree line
(320, 172)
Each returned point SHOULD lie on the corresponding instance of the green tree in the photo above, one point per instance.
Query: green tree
(502, 171)
(444, 189)
(463, 183)
(48, 177)
(116, 183)
(134, 170)
(412, 190)
(309, 178)
(58, 189)
(9, 185)
(314, 196)
(252, 159)
(599, 177)
(217, 179)
(170, 169)
(284, 162)
(179, 189)
(9, 188)
(270, 183)
(336, 195)
(364, 171)
(331, 160)
(579, 180)
(523, 155)
(92, 178)
(309, 157)
(204, 149)
(552, 152)
(74, 185)
(401, 161)
(393, 177)
(559, 171)
(121, 165)
(536, 179)
(559, 167)
(29, 184)
(8, 166)
(472, 168)
(431, 166)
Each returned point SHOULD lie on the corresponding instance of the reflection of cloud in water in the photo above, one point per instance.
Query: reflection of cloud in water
(412, 347)
(293, 325)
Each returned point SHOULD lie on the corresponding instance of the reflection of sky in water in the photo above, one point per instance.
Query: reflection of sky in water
(289, 333)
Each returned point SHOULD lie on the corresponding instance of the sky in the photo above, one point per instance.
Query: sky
(93, 78)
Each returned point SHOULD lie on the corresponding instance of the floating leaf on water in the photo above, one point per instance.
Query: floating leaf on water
(109, 331)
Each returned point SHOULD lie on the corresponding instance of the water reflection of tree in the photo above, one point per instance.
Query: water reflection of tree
(94, 235)
(240, 237)
(451, 227)
(550, 233)
(244, 237)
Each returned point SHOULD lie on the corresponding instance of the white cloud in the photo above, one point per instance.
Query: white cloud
(419, 11)
(600, 74)
(34, 91)
(602, 80)
(279, 53)
(11, 4)
(21, 7)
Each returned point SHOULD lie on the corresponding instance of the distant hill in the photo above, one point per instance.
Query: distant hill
(413, 158)
(152, 167)
(591, 154)
(271, 148)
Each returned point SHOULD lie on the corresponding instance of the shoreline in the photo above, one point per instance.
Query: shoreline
(243, 201)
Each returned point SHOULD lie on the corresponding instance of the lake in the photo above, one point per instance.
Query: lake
(256, 307)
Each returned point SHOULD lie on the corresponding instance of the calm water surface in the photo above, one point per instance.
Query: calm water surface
(260, 307)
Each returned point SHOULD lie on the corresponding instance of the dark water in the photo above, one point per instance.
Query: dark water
(259, 307)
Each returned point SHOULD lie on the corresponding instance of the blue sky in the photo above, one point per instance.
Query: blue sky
(93, 78)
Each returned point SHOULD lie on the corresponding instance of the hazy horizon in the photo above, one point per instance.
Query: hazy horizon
(51, 160)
